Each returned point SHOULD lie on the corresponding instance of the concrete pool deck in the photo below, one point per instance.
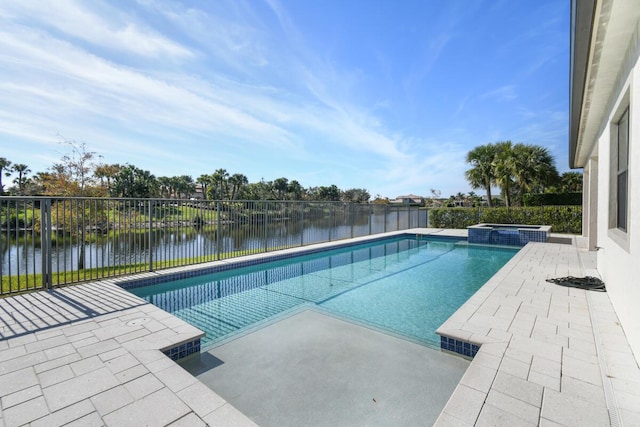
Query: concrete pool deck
(313, 369)
(89, 354)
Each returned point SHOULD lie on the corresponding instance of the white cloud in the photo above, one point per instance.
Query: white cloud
(232, 84)
(103, 27)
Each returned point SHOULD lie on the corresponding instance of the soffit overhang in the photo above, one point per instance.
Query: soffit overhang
(601, 32)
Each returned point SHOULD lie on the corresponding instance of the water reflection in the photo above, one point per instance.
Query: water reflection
(20, 253)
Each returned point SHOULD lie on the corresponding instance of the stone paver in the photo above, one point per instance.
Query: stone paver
(69, 357)
(551, 371)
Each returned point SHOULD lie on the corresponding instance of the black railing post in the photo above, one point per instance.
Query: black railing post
(330, 219)
(301, 222)
(151, 234)
(386, 212)
(218, 237)
(45, 243)
(266, 226)
(351, 216)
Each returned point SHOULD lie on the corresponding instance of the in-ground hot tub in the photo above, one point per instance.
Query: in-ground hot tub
(508, 234)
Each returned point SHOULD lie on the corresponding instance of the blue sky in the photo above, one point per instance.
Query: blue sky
(383, 95)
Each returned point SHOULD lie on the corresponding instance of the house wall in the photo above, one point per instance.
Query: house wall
(590, 202)
(619, 253)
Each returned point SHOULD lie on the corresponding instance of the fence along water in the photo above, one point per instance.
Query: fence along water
(47, 242)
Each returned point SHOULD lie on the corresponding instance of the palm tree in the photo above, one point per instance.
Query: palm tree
(106, 172)
(205, 181)
(481, 175)
(164, 184)
(22, 170)
(571, 182)
(221, 189)
(503, 169)
(237, 181)
(5, 167)
(174, 186)
(534, 168)
(184, 185)
(133, 182)
(295, 190)
(281, 185)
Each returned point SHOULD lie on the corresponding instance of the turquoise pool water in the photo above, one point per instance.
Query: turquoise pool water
(405, 286)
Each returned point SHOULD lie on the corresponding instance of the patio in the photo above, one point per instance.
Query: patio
(550, 355)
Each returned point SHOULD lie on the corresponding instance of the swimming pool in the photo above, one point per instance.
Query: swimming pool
(406, 286)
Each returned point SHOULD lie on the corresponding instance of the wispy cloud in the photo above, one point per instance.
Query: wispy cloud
(246, 86)
(503, 93)
(103, 27)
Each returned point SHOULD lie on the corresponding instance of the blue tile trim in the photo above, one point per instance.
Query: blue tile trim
(183, 350)
(464, 348)
(512, 237)
(163, 278)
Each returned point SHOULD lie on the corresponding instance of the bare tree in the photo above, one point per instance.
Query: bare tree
(78, 163)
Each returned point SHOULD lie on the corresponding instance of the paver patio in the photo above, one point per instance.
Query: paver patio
(550, 355)
(90, 355)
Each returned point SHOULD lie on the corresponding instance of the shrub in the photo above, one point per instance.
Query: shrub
(562, 219)
(552, 199)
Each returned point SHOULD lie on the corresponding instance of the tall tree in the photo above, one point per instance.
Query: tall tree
(331, 193)
(503, 169)
(356, 195)
(534, 168)
(79, 163)
(105, 173)
(184, 186)
(295, 190)
(205, 181)
(481, 174)
(220, 185)
(281, 186)
(22, 170)
(5, 169)
(571, 182)
(238, 181)
(164, 186)
(134, 182)
(56, 182)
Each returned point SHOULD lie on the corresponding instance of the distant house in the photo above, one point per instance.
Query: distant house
(199, 193)
(603, 129)
(411, 199)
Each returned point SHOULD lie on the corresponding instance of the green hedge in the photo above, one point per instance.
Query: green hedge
(555, 199)
(562, 219)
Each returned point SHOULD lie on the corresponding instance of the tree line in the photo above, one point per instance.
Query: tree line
(80, 173)
(517, 169)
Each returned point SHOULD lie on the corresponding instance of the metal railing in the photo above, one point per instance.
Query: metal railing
(47, 242)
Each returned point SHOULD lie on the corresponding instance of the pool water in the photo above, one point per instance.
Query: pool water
(405, 286)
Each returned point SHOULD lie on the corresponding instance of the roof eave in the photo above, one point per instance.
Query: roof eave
(582, 16)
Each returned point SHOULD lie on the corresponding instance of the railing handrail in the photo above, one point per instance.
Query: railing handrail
(55, 240)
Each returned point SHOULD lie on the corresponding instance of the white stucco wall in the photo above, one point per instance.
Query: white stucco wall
(619, 256)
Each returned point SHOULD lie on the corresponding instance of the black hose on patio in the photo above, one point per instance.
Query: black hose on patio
(587, 283)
